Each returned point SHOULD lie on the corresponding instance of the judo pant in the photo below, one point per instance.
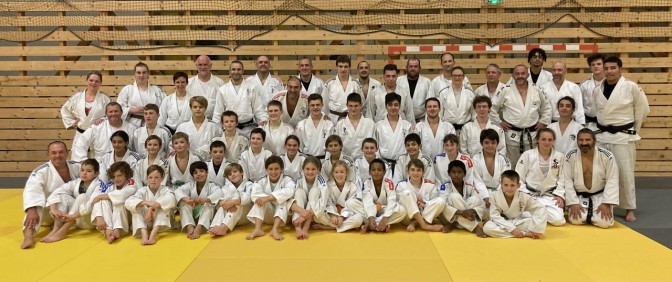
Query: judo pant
(115, 216)
(162, 220)
(432, 208)
(513, 148)
(554, 215)
(231, 219)
(269, 211)
(305, 201)
(70, 205)
(596, 218)
(353, 221)
(493, 229)
(204, 216)
(625, 155)
(454, 203)
(395, 217)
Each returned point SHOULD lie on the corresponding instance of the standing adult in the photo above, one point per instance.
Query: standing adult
(457, 101)
(205, 84)
(266, 84)
(41, 183)
(537, 74)
(560, 87)
(621, 108)
(493, 86)
(337, 89)
(134, 97)
(367, 83)
(417, 85)
(445, 79)
(85, 107)
(97, 137)
(309, 82)
(596, 64)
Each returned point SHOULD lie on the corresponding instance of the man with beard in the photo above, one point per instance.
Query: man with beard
(367, 83)
(590, 181)
(97, 137)
(417, 85)
(523, 109)
(205, 84)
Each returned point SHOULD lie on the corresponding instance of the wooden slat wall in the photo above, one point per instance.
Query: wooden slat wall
(111, 36)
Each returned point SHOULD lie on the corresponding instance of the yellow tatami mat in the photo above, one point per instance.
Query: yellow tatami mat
(568, 253)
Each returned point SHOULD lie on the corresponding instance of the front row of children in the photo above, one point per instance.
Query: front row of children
(309, 202)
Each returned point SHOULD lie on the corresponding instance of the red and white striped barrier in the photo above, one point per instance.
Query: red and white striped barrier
(392, 50)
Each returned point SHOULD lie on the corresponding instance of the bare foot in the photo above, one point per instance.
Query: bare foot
(218, 230)
(255, 233)
(297, 222)
(411, 226)
(190, 230)
(364, 228)
(479, 232)
(432, 227)
(28, 240)
(299, 232)
(109, 235)
(630, 216)
(51, 233)
(276, 235)
(61, 234)
(447, 227)
(305, 228)
(151, 241)
(195, 234)
(143, 242)
(387, 228)
(117, 233)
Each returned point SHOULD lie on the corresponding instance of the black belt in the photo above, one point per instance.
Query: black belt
(138, 116)
(79, 130)
(172, 131)
(591, 119)
(589, 216)
(458, 126)
(392, 163)
(320, 157)
(613, 129)
(535, 191)
(555, 120)
(246, 124)
(339, 114)
(523, 131)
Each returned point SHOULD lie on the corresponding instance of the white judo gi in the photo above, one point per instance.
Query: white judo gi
(177, 177)
(283, 191)
(275, 138)
(204, 212)
(441, 162)
(313, 137)
(523, 115)
(39, 186)
(432, 143)
(207, 89)
(293, 168)
(420, 94)
(140, 136)
(401, 171)
(236, 147)
(253, 165)
(568, 88)
(245, 101)
(308, 196)
(376, 104)
(106, 161)
(587, 88)
(483, 91)
(626, 105)
(141, 166)
(130, 96)
(504, 218)
(565, 142)
(352, 137)
(544, 77)
(75, 108)
(456, 112)
(338, 203)
(391, 141)
(469, 199)
(162, 216)
(199, 139)
(70, 199)
(470, 137)
(335, 96)
(315, 85)
(543, 187)
(234, 218)
(604, 187)
(97, 137)
(493, 181)
(173, 112)
(267, 89)
(300, 111)
(362, 170)
(327, 168)
(439, 82)
(373, 85)
(428, 194)
(112, 211)
(217, 177)
(380, 205)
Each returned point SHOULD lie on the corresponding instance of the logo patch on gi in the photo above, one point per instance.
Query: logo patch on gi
(572, 136)
(555, 164)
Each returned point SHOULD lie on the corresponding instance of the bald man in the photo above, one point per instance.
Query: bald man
(266, 84)
(205, 84)
(560, 87)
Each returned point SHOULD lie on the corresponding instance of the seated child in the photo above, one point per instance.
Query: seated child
(195, 201)
(178, 164)
(380, 200)
(119, 153)
(333, 212)
(234, 202)
(464, 207)
(151, 207)
(272, 198)
(107, 203)
(292, 158)
(217, 163)
(507, 205)
(420, 198)
(153, 148)
(68, 203)
(254, 158)
(307, 196)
